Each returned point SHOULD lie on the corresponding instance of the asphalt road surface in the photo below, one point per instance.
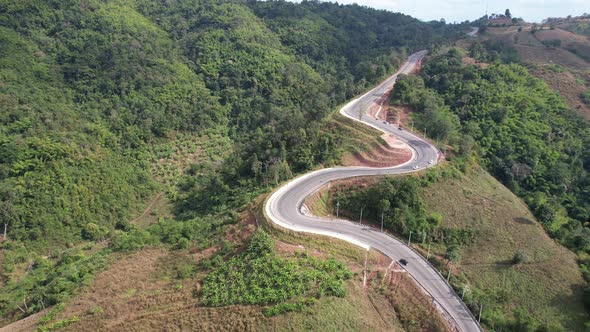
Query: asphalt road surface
(285, 206)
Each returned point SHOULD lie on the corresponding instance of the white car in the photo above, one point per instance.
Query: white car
(431, 162)
(416, 167)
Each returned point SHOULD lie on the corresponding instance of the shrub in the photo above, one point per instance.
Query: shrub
(452, 253)
(552, 42)
(519, 257)
(261, 244)
(94, 232)
(131, 241)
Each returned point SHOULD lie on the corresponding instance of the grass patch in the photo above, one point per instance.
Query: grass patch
(547, 285)
(493, 246)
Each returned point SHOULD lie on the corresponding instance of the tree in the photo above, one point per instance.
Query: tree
(7, 215)
(452, 253)
(507, 13)
(384, 205)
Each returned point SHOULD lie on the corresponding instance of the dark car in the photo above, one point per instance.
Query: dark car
(400, 128)
(403, 262)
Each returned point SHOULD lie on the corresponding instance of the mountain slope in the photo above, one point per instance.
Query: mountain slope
(95, 92)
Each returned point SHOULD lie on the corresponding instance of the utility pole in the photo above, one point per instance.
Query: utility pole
(337, 207)
(463, 294)
(424, 132)
(423, 236)
(480, 310)
(410, 239)
(412, 127)
(382, 221)
(428, 254)
(449, 276)
(361, 217)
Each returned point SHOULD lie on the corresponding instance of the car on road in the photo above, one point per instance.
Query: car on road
(431, 162)
(416, 167)
(400, 128)
(403, 262)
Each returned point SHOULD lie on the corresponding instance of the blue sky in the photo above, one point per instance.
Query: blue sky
(461, 10)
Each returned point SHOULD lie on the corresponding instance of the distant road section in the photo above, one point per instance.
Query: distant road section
(285, 206)
(473, 32)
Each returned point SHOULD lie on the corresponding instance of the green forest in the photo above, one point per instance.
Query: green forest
(88, 87)
(520, 130)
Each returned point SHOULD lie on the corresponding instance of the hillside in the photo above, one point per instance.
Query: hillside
(546, 289)
(557, 51)
(152, 124)
(547, 285)
(511, 123)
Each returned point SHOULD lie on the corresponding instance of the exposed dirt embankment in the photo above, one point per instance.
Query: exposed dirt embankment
(389, 152)
(380, 109)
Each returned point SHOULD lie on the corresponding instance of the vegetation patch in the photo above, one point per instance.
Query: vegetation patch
(46, 282)
(258, 276)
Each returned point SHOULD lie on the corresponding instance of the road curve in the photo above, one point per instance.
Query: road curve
(285, 206)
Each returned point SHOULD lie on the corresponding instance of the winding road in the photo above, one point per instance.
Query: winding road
(285, 207)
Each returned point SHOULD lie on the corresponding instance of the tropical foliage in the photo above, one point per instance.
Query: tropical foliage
(258, 276)
(91, 89)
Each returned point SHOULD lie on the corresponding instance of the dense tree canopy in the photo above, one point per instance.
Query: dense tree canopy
(87, 87)
(525, 134)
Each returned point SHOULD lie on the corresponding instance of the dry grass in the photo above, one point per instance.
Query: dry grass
(548, 285)
(566, 37)
(531, 50)
(158, 207)
(26, 324)
(545, 55)
(572, 77)
(567, 85)
(138, 292)
(135, 294)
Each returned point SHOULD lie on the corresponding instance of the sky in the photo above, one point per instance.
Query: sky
(461, 10)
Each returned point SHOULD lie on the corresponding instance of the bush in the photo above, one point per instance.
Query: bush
(261, 244)
(452, 253)
(519, 257)
(93, 232)
(131, 241)
(552, 42)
